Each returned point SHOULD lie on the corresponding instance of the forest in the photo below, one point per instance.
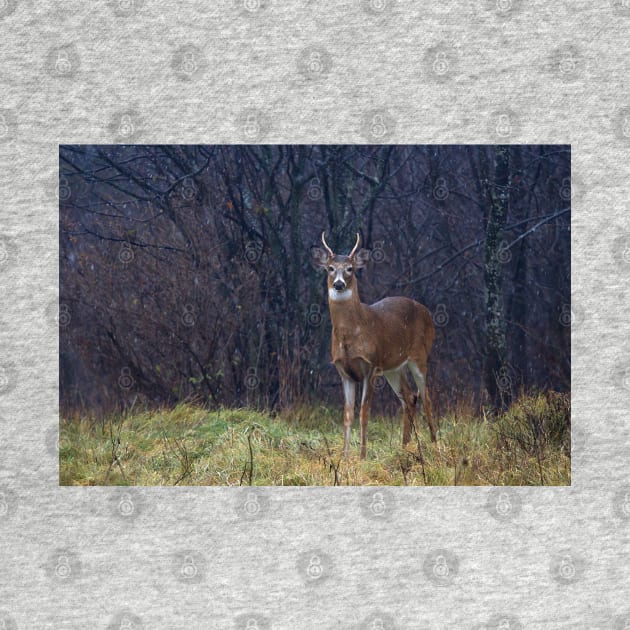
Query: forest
(186, 272)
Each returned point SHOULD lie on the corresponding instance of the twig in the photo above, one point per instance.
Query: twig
(184, 459)
(334, 467)
(115, 442)
(251, 458)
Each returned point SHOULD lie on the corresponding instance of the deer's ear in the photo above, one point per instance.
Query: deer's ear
(361, 258)
(319, 257)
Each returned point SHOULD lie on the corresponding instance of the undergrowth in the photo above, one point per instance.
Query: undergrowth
(529, 444)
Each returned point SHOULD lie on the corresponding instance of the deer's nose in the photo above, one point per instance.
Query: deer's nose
(339, 285)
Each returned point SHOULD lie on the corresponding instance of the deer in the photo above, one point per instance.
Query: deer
(373, 340)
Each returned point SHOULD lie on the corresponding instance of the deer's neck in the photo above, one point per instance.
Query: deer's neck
(346, 308)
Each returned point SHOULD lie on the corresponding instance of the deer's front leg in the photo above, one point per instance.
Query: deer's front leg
(349, 390)
(364, 415)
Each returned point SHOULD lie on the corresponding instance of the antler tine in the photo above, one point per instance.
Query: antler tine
(330, 251)
(356, 246)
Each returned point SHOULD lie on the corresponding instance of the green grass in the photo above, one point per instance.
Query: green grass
(529, 444)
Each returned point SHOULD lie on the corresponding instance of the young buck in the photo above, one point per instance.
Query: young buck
(370, 340)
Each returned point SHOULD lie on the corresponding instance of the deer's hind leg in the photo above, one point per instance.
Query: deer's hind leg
(419, 373)
(398, 382)
(366, 402)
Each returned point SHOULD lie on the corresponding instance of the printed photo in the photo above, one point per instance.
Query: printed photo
(314, 315)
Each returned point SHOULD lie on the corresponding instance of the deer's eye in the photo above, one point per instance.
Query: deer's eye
(331, 268)
(348, 269)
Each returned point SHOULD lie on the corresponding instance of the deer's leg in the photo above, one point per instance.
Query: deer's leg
(349, 389)
(419, 376)
(409, 408)
(366, 402)
(395, 378)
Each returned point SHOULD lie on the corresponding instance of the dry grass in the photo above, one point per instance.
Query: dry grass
(189, 445)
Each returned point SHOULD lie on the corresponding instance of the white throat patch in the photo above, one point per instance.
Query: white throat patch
(339, 296)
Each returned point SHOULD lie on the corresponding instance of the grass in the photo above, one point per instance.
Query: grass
(529, 444)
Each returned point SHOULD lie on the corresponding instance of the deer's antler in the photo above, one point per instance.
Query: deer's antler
(356, 246)
(330, 251)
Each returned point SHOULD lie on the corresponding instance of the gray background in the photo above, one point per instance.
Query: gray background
(302, 72)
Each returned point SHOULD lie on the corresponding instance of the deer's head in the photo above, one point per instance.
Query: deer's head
(340, 269)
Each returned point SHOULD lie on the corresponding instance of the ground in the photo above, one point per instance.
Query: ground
(529, 444)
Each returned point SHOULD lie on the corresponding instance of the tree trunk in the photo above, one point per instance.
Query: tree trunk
(496, 375)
